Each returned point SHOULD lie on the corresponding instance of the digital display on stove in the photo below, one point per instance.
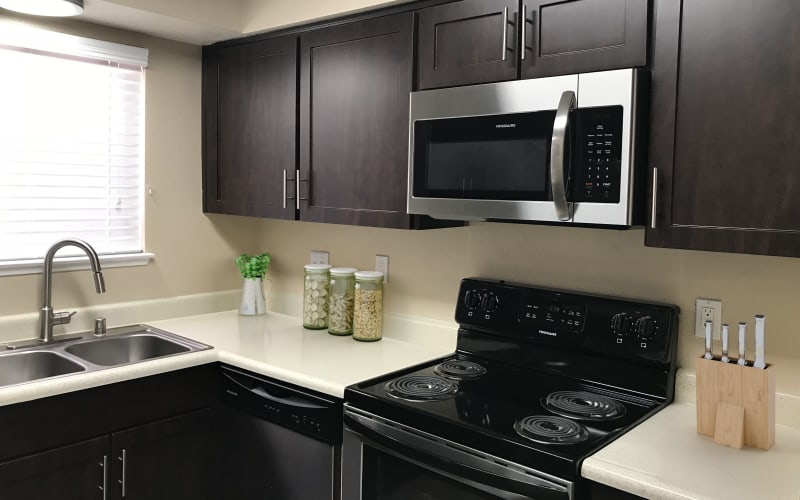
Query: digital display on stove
(544, 314)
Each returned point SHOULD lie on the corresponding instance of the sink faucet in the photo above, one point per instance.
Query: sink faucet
(47, 318)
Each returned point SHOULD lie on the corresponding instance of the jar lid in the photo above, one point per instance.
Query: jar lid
(317, 267)
(343, 271)
(369, 275)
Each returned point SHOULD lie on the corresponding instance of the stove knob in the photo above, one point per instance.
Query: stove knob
(645, 328)
(490, 302)
(620, 323)
(471, 299)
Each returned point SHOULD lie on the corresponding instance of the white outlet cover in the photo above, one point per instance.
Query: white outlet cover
(716, 328)
(382, 265)
(319, 257)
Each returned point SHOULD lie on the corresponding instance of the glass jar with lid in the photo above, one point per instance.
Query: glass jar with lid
(368, 307)
(342, 298)
(316, 287)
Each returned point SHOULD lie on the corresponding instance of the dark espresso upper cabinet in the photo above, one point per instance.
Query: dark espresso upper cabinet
(481, 41)
(725, 123)
(249, 117)
(354, 94)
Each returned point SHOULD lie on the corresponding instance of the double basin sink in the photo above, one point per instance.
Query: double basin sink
(88, 353)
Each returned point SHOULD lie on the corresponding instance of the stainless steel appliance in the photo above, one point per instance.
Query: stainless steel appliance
(540, 380)
(564, 149)
(277, 440)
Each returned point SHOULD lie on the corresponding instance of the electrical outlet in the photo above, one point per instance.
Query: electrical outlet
(319, 257)
(708, 310)
(382, 265)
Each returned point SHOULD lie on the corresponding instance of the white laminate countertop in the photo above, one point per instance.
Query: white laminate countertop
(665, 458)
(274, 345)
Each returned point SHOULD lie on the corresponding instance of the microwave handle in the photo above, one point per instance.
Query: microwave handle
(558, 186)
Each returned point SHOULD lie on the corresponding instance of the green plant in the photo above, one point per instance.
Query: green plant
(253, 266)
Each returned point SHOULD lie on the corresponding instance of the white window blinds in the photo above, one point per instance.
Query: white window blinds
(71, 143)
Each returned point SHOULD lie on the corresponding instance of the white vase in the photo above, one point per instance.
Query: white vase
(252, 302)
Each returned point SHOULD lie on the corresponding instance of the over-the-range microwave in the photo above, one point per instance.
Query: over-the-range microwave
(565, 149)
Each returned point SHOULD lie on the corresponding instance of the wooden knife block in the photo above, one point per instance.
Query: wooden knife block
(736, 404)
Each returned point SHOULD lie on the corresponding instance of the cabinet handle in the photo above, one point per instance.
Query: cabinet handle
(558, 186)
(284, 188)
(104, 488)
(523, 20)
(505, 32)
(297, 189)
(124, 460)
(655, 197)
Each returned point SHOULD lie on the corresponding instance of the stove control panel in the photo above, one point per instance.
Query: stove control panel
(623, 328)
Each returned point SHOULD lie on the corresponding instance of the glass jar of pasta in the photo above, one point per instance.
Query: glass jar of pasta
(368, 307)
(316, 287)
(342, 298)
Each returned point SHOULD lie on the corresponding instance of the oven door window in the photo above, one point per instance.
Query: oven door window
(497, 157)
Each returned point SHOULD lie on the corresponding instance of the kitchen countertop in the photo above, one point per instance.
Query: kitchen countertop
(665, 458)
(274, 345)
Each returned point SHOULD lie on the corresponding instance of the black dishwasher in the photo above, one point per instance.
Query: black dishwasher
(278, 441)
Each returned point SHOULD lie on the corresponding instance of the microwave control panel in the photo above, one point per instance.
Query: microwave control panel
(598, 155)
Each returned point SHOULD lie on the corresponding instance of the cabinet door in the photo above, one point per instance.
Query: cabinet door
(249, 119)
(725, 123)
(74, 472)
(166, 460)
(472, 41)
(579, 36)
(355, 86)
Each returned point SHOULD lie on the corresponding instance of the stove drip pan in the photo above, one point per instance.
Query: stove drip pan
(458, 369)
(548, 429)
(583, 405)
(421, 388)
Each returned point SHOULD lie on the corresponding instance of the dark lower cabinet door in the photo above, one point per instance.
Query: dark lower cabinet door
(579, 36)
(249, 128)
(74, 472)
(472, 41)
(169, 459)
(725, 125)
(355, 84)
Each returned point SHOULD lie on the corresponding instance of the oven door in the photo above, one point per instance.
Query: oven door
(384, 460)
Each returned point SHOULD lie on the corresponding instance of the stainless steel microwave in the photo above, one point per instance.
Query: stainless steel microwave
(554, 150)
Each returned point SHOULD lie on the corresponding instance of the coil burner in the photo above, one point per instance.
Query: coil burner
(548, 429)
(421, 388)
(458, 369)
(583, 405)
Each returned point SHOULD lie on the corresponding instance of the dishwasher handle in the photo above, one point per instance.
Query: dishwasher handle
(261, 390)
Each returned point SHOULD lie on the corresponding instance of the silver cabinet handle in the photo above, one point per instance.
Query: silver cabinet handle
(124, 460)
(655, 197)
(505, 32)
(297, 189)
(284, 189)
(558, 186)
(104, 488)
(523, 20)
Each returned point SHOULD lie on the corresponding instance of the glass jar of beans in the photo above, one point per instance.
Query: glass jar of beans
(340, 304)
(368, 307)
(316, 287)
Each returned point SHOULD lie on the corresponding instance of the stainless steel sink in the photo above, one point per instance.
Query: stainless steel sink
(18, 367)
(128, 349)
(87, 353)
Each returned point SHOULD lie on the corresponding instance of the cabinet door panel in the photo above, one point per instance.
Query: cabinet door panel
(578, 36)
(250, 128)
(473, 41)
(724, 135)
(166, 460)
(355, 86)
(73, 472)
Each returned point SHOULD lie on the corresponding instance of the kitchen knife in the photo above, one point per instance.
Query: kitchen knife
(708, 354)
(725, 358)
(742, 334)
(759, 362)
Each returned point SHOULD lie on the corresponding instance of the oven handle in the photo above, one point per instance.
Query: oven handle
(558, 186)
(465, 467)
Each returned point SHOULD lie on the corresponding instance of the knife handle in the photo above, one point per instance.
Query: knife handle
(725, 358)
(759, 362)
(742, 336)
(708, 354)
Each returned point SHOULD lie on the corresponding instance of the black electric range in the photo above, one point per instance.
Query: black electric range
(541, 379)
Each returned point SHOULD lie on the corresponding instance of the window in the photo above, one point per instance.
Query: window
(71, 144)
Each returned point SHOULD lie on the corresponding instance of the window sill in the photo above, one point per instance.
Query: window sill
(34, 266)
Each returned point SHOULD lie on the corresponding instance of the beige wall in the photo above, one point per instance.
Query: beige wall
(263, 15)
(193, 252)
(425, 268)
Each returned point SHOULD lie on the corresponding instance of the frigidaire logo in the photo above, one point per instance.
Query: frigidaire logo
(506, 125)
(545, 332)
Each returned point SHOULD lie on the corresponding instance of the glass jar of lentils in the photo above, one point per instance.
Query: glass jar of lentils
(340, 304)
(316, 287)
(368, 307)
